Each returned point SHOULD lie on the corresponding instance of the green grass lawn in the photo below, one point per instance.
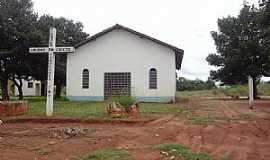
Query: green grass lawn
(201, 93)
(109, 154)
(85, 110)
(237, 90)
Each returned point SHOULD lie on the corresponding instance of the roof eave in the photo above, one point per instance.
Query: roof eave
(179, 54)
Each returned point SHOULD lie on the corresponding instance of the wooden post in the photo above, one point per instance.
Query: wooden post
(51, 68)
(250, 87)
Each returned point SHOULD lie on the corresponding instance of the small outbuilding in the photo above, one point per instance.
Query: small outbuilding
(30, 88)
(122, 61)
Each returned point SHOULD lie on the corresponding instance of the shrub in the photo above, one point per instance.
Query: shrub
(125, 101)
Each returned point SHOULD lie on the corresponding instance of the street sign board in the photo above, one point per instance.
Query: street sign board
(39, 50)
(64, 49)
(55, 50)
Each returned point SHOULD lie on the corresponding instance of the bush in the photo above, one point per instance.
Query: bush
(125, 101)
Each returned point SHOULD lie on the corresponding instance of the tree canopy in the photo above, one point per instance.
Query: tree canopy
(22, 28)
(69, 33)
(17, 32)
(242, 47)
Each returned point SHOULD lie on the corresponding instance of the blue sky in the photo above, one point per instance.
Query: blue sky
(183, 23)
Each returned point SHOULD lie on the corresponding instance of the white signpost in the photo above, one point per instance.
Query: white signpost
(250, 87)
(51, 50)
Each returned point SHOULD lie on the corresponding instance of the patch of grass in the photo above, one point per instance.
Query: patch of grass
(233, 91)
(202, 93)
(187, 114)
(197, 120)
(68, 109)
(160, 108)
(246, 116)
(264, 89)
(225, 156)
(109, 154)
(85, 110)
(43, 152)
(202, 120)
(181, 152)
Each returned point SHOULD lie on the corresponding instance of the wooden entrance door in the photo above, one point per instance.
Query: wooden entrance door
(117, 83)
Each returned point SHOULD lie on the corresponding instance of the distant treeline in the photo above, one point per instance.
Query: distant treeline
(184, 84)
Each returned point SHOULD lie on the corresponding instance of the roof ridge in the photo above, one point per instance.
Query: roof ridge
(179, 52)
(119, 26)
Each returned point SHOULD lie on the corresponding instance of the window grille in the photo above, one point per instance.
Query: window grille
(116, 84)
(153, 78)
(85, 79)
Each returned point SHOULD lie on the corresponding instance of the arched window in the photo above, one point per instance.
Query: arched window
(85, 78)
(153, 78)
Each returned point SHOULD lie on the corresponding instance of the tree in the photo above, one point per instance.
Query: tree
(264, 22)
(20, 28)
(239, 49)
(17, 32)
(69, 33)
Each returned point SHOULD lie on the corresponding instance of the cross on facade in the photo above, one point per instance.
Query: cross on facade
(51, 50)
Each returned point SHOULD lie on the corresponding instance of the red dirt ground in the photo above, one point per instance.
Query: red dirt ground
(241, 139)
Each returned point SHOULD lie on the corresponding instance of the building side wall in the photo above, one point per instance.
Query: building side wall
(121, 51)
(30, 91)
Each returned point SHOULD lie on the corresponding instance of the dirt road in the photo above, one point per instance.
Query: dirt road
(245, 139)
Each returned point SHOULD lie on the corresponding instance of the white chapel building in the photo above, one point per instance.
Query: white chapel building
(121, 61)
